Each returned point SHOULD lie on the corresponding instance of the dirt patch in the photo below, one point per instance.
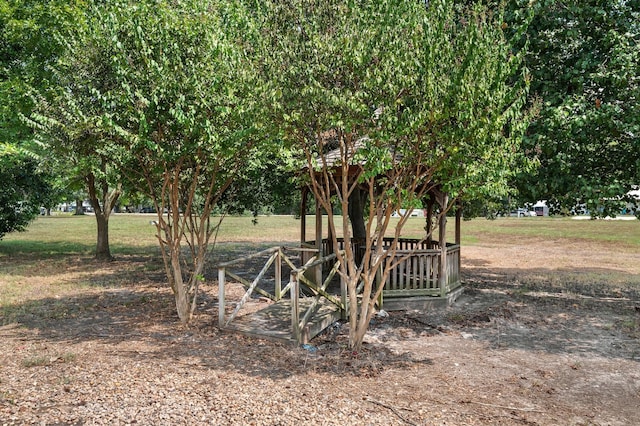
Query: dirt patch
(546, 333)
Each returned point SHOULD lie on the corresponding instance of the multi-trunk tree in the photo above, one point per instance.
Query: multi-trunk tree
(386, 101)
(173, 93)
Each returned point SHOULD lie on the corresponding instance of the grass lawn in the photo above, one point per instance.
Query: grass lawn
(134, 233)
(41, 260)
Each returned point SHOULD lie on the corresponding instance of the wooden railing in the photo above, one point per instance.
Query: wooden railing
(299, 324)
(417, 272)
(277, 257)
(407, 244)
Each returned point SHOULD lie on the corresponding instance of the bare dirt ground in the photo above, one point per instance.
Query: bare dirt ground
(546, 333)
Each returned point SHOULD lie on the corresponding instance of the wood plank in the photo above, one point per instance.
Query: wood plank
(411, 292)
(274, 321)
(415, 279)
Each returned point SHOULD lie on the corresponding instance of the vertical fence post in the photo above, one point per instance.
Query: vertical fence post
(278, 277)
(295, 313)
(221, 278)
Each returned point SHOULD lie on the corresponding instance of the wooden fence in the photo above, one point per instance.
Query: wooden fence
(417, 270)
(414, 272)
(417, 273)
(277, 257)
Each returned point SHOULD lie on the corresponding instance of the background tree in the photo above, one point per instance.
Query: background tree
(267, 185)
(395, 99)
(28, 47)
(29, 30)
(69, 121)
(584, 57)
(23, 191)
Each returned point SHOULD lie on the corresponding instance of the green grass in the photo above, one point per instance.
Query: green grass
(624, 232)
(130, 234)
(64, 235)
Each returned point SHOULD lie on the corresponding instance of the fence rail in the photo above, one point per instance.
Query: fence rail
(417, 272)
(301, 313)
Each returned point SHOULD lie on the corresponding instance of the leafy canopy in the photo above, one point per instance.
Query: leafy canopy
(584, 57)
(439, 85)
(23, 191)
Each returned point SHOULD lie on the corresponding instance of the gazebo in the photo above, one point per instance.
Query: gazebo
(426, 274)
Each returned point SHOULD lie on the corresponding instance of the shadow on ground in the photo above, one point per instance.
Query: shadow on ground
(132, 310)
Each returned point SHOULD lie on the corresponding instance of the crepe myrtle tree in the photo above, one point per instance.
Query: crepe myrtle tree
(385, 102)
(177, 110)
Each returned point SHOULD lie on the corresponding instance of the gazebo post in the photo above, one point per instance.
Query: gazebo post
(442, 229)
(458, 232)
(458, 217)
(303, 215)
(330, 247)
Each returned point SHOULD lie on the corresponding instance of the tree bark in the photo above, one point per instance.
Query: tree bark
(429, 222)
(79, 210)
(356, 217)
(181, 293)
(103, 251)
(102, 212)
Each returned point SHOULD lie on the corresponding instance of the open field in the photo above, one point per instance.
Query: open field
(547, 333)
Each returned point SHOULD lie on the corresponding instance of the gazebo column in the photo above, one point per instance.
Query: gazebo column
(458, 216)
(319, 229)
(303, 216)
(458, 233)
(443, 275)
(331, 248)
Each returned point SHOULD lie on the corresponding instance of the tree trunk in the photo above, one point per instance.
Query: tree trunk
(180, 291)
(429, 222)
(79, 209)
(103, 251)
(356, 217)
(102, 211)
